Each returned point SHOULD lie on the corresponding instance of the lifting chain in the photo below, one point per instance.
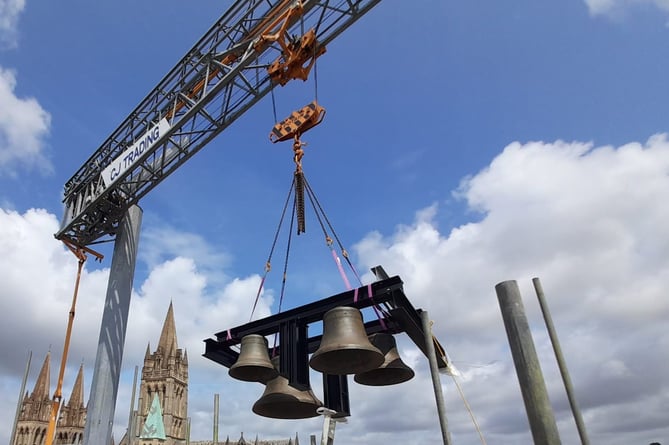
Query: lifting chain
(299, 183)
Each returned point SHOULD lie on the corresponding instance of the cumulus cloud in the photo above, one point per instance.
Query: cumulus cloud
(38, 275)
(9, 17)
(589, 221)
(24, 124)
(616, 8)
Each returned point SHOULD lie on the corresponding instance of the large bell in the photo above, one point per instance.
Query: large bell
(392, 371)
(282, 401)
(345, 348)
(253, 363)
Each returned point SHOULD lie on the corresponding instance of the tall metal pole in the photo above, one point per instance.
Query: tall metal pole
(107, 371)
(20, 401)
(131, 419)
(532, 385)
(436, 381)
(215, 419)
(566, 379)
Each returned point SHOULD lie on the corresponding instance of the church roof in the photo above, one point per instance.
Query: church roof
(168, 336)
(42, 384)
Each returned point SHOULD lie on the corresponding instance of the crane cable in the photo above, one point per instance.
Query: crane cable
(268, 263)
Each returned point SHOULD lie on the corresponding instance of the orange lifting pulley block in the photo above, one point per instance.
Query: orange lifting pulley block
(298, 122)
(297, 58)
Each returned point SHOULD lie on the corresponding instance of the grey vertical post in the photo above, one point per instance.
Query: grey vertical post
(107, 371)
(188, 432)
(215, 419)
(532, 385)
(436, 380)
(131, 419)
(12, 438)
(566, 379)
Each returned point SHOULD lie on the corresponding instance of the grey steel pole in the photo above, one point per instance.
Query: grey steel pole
(107, 371)
(20, 401)
(436, 380)
(188, 432)
(532, 385)
(566, 379)
(215, 419)
(131, 420)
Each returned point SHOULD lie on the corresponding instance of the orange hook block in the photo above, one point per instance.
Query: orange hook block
(298, 122)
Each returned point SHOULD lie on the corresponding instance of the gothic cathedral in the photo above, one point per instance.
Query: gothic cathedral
(163, 389)
(165, 379)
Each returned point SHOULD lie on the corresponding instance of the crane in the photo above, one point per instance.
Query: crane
(254, 46)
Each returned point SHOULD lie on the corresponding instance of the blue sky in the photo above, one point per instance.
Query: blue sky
(465, 143)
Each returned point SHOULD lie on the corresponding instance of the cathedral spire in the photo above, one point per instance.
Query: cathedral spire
(168, 337)
(77, 397)
(42, 384)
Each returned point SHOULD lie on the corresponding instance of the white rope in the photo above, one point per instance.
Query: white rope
(453, 372)
(469, 409)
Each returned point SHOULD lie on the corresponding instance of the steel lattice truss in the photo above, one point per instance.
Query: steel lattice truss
(221, 77)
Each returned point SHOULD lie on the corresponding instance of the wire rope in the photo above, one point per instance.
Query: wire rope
(268, 264)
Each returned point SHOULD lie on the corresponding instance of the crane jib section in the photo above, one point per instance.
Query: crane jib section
(218, 80)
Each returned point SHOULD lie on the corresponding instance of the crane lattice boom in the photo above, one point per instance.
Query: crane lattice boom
(221, 77)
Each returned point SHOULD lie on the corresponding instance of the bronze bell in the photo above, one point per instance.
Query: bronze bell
(282, 401)
(253, 363)
(392, 371)
(345, 348)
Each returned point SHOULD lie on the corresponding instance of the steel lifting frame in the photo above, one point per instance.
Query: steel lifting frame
(221, 77)
(295, 343)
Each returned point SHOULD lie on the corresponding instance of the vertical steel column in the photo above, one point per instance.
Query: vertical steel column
(335, 394)
(532, 385)
(436, 381)
(12, 438)
(131, 420)
(107, 371)
(215, 419)
(564, 372)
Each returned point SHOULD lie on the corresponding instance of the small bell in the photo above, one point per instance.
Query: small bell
(282, 401)
(253, 363)
(392, 371)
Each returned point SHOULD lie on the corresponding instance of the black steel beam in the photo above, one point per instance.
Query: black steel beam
(399, 316)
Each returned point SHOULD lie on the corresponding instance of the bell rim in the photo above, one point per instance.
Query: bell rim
(263, 373)
(284, 404)
(406, 374)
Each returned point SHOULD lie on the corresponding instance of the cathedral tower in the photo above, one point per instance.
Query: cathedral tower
(70, 429)
(165, 377)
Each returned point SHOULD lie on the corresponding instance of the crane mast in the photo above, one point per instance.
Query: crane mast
(228, 70)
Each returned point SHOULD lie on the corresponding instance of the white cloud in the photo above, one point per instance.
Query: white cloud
(617, 8)
(589, 221)
(9, 17)
(38, 276)
(23, 126)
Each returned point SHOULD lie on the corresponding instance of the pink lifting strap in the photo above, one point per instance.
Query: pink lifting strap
(341, 269)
